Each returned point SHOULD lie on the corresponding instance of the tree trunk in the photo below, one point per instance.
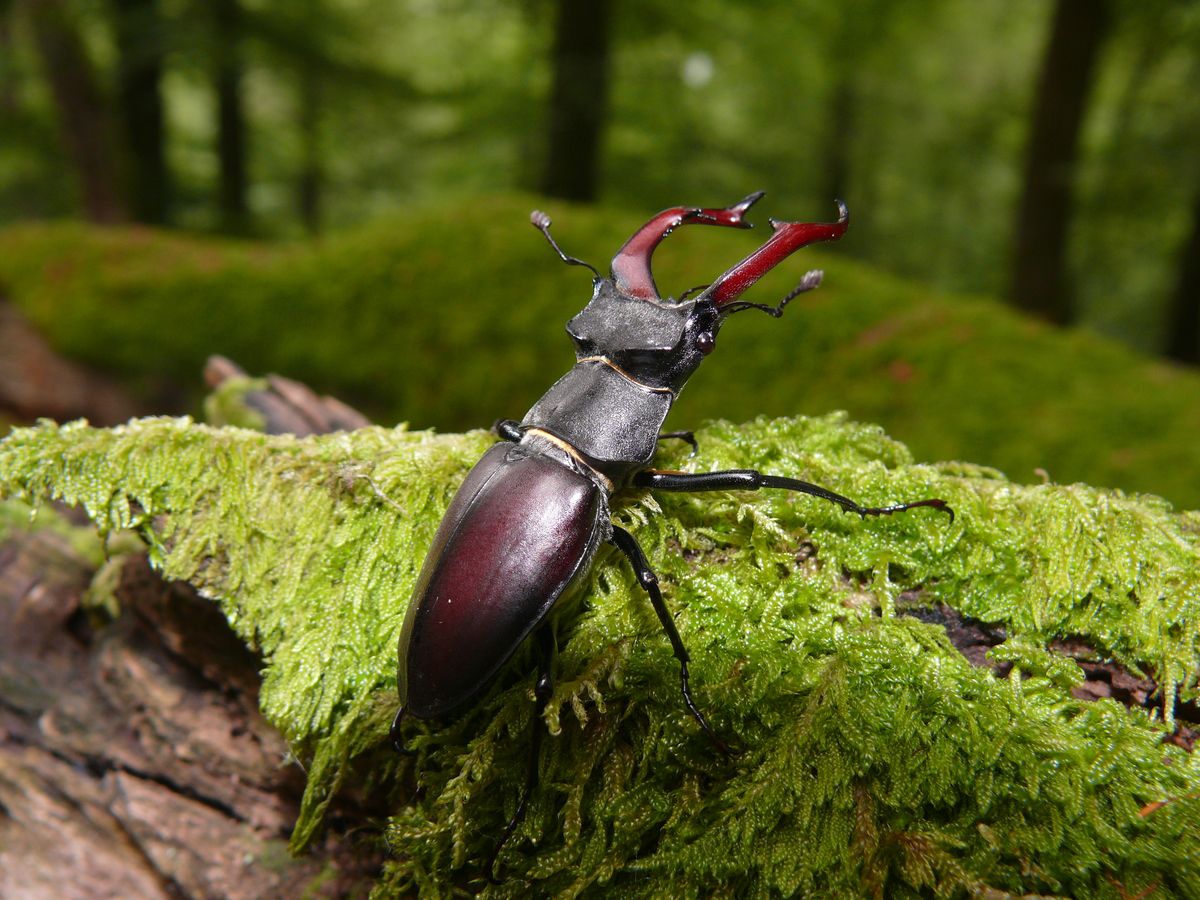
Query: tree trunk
(578, 102)
(1183, 320)
(1040, 283)
(81, 110)
(308, 188)
(139, 33)
(231, 114)
(839, 139)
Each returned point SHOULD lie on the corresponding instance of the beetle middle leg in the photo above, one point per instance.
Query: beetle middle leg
(542, 689)
(688, 437)
(627, 544)
(752, 480)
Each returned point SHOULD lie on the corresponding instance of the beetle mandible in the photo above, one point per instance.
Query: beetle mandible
(527, 521)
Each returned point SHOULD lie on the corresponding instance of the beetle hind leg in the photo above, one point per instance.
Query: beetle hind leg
(397, 740)
(628, 545)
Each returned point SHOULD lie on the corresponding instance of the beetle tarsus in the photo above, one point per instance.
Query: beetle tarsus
(752, 480)
(627, 544)
(688, 437)
(542, 222)
(543, 688)
(397, 740)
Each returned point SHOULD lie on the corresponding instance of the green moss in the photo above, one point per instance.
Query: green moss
(872, 758)
(453, 317)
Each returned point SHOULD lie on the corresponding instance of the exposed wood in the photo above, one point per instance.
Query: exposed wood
(133, 759)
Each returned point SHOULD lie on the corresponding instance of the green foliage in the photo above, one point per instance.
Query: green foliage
(872, 758)
(454, 317)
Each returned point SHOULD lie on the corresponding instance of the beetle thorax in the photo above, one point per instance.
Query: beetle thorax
(657, 343)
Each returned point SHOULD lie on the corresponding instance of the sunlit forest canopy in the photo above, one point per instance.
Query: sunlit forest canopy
(269, 118)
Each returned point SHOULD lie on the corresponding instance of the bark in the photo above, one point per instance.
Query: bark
(1040, 282)
(231, 114)
(140, 60)
(133, 760)
(82, 110)
(1183, 321)
(579, 99)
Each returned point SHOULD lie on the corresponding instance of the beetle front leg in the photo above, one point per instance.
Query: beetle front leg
(508, 430)
(543, 688)
(627, 544)
(752, 480)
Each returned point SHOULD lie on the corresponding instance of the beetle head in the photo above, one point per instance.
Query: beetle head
(660, 342)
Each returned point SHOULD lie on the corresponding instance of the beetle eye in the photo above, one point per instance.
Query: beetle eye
(705, 342)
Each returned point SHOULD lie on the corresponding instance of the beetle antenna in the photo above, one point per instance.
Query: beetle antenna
(542, 223)
(690, 291)
(810, 281)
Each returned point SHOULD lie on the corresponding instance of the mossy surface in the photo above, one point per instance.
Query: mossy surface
(453, 317)
(871, 757)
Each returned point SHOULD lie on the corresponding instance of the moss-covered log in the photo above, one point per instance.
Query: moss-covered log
(873, 758)
(453, 317)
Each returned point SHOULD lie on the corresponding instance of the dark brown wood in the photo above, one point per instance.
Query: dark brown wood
(287, 406)
(133, 759)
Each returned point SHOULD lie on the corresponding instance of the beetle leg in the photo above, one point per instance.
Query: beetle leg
(752, 480)
(688, 437)
(542, 689)
(397, 741)
(508, 430)
(627, 544)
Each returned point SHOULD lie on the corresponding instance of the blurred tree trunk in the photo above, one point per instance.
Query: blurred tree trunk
(1040, 283)
(140, 53)
(8, 79)
(308, 188)
(81, 109)
(1183, 322)
(231, 114)
(839, 139)
(579, 99)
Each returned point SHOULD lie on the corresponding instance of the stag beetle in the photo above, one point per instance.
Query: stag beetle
(527, 521)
